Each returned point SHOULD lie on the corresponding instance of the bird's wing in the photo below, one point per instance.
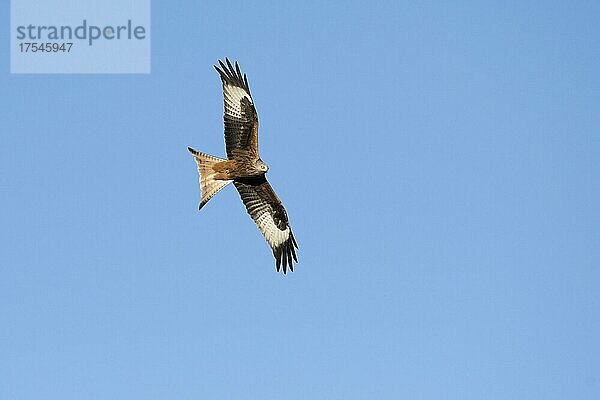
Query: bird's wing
(268, 213)
(241, 120)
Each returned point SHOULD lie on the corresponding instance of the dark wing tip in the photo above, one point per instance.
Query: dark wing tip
(277, 254)
(229, 64)
(194, 152)
(202, 204)
(238, 73)
(222, 71)
(285, 255)
(232, 75)
(289, 257)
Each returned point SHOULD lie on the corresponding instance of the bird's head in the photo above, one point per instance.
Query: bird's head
(261, 166)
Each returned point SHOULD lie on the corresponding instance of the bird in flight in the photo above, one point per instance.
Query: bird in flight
(245, 168)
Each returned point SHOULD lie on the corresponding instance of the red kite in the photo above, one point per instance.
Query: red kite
(245, 168)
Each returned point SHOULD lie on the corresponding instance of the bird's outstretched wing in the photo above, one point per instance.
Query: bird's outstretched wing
(241, 120)
(268, 213)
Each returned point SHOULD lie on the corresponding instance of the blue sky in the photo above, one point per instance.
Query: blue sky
(439, 166)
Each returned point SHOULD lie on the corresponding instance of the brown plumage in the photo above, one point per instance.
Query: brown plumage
(245, 168)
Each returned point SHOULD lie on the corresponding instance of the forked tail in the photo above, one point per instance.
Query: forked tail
(209, 186)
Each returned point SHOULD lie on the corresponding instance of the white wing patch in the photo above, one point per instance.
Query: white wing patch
(233, 96)
(275, 236)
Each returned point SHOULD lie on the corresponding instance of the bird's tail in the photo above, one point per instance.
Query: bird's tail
(209, 186)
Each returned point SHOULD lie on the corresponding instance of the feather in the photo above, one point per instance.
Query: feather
(267, 211)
